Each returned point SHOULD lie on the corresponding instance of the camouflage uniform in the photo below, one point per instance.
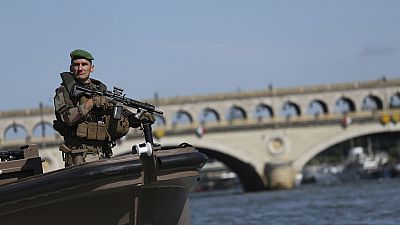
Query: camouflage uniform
(92, 132)
(88, 130)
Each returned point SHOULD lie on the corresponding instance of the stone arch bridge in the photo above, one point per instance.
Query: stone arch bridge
(265, 136)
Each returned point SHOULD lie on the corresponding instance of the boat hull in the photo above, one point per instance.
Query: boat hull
(112, 191)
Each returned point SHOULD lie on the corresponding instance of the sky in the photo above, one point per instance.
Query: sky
(188, 47)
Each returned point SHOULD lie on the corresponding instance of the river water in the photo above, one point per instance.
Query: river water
(358, 203)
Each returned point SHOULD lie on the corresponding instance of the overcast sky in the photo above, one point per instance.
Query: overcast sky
(179, 48)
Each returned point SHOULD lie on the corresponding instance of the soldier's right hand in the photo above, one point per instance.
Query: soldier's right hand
(87, 104)
(100, 101)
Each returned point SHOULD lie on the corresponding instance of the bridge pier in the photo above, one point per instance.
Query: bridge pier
(280, 176)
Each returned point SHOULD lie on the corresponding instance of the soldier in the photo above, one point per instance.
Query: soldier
(86, 122)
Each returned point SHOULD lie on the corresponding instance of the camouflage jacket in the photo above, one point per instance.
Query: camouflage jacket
(72, 110)
(80, 125)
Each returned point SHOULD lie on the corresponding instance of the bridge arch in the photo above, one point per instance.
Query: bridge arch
(264, 111)
(345, 104)
(247, 174)
(290, 108)
(236, 112)
(317, 106)
(18, 129)
(395, 100)
(347, 135)
(160, 120)
(240, 164)
(372, 102)
(43, 127)
(209, 115)
(182, 117)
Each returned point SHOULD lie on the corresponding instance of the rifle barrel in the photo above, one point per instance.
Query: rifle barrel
(120, 98)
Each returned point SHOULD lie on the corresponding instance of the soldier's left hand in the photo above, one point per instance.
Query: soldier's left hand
(100, 101)
(148, 117)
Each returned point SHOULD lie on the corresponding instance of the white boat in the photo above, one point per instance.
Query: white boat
(362, 164)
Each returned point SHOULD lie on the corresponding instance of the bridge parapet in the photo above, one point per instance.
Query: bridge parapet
(357, 85)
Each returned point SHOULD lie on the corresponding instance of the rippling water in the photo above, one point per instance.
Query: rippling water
(363, 203)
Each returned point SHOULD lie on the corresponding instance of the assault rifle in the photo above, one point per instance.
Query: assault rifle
(117, 97)
(120, 99)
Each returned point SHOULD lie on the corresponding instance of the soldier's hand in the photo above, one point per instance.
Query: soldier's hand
(100, 101)
(87, 104)
(147, 117)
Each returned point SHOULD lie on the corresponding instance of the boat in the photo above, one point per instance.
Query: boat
(362, 165)
(148, 186)
(324, 174)
(359, 164)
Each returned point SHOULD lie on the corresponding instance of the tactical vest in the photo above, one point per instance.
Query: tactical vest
(98, 126)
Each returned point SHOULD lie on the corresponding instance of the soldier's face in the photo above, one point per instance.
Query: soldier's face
(82, 69)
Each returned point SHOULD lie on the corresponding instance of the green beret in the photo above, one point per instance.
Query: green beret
(80, 54)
